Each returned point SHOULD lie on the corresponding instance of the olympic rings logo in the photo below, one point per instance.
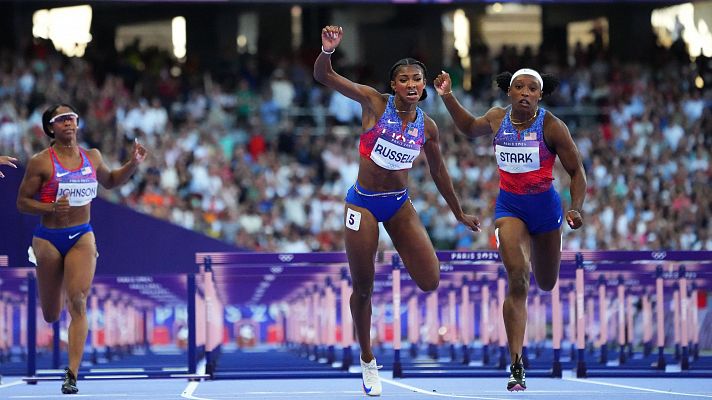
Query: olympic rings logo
(286, 257)
(658, 255)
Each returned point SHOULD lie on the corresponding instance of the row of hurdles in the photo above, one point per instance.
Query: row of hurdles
(652, 305)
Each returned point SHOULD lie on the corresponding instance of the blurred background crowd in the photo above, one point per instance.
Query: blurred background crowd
(260, 156)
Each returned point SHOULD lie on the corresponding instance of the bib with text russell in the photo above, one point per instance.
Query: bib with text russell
(517, 160)
(78, 194)
(393, 156)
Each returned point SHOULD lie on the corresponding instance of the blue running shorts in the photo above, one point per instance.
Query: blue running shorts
(383, 205)
(63, 238)
(541, 212)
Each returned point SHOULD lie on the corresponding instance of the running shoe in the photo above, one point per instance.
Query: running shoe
(371, 382)
(517, 377)
(69, 386)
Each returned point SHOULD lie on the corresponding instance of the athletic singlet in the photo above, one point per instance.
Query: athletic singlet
(80, 185)
(525, 161)
(387, 145)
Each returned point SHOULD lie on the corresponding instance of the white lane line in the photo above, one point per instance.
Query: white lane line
(89, 377)
(74, 396)
(189, 390)
(305, 392)
(6, 385)
(636, 388)
(431, 393)
(193, 385)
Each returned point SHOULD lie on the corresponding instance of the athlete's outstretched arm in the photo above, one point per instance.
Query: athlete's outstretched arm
(113, 178)
(324, 73)
(559, 138)
(442, 178)
(7, 160)
(467, 123)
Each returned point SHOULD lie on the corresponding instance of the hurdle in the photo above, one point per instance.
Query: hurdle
(463, 313)
(308, 349)
(643, 270)
(126, 308)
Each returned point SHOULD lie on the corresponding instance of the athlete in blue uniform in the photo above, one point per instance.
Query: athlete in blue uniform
(528, 213)
(395, 132)
(65, 177)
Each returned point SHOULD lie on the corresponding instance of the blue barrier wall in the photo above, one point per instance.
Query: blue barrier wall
(129, 242)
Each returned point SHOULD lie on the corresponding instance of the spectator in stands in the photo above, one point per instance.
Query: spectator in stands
(654, 96)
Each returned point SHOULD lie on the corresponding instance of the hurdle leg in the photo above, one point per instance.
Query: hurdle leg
(413, 325)
(55, 344)
(484, 321)
(621, 321)
(396, 278)
(346, 324)
(660, 321)
(684, 327)
(502, 335)
(431, 317)
(556, 330)
(695, 325)
(647, 325)
(580, 321)
(603, 317)
(465, 321)
(676, 319)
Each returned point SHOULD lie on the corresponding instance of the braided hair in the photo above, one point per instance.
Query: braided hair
(409, 61)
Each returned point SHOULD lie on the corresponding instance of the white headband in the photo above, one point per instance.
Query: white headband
(527, 71)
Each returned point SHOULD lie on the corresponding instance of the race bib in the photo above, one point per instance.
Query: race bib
(353, 219)
(391, 156)
(517, 160)
(79, 194)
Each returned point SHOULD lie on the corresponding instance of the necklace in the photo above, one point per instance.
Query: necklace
(404, 111)
(64, 146)
(523, 122)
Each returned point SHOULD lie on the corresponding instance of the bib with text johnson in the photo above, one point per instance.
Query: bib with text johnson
(78, 193)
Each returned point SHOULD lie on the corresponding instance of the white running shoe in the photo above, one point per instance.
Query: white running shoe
(371, 382)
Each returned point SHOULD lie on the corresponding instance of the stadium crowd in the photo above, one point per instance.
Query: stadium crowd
(257, 154)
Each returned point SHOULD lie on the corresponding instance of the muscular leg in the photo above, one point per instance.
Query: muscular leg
(414, 247)
(514, 247)
(361, 247)
(49, 278)
(546, 258)
(79, 267)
